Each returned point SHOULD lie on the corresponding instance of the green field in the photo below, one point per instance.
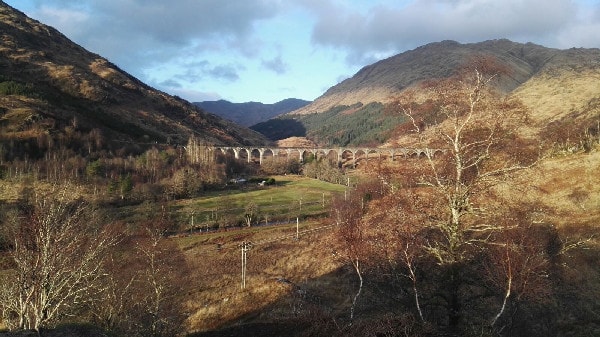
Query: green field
(289, 198)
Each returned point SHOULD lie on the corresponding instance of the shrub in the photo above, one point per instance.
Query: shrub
(15, 88)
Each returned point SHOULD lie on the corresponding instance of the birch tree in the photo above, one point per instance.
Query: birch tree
(470, 136)
(351, 235)
(250, 213)
(158, 283)
(58, 254)
(146, 285)
(347, 215)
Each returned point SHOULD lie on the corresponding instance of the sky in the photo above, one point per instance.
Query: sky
(269, 50)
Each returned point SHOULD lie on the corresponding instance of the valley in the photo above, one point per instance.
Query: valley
(449, 190)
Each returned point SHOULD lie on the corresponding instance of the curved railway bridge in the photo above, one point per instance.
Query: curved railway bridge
(339, 154)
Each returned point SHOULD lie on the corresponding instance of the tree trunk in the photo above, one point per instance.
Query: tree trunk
(358, 272)
(454, 304)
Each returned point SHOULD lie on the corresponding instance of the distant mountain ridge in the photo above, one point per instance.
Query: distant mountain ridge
(251, 113)
(52, 89)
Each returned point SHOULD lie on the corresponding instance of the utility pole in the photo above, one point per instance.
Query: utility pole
(245, 248)
(192, 225)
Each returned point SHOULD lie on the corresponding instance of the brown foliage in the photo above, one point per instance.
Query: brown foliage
(145, 287)
(570, 135)
(442, 226)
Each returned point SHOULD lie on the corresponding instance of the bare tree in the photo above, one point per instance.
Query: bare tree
(518, 261)
(347, 215)
(58, 252)
(397, 239)
(351, 233)
(470, 135)
(477, 131)
(146, 285)
(155, 277)
(159, 280)
(250, 213)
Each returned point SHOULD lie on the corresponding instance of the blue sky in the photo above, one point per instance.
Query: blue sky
(268, 50)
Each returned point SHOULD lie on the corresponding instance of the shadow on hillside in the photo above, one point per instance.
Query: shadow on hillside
(321, 306)
(279, 128)
(68, 330)
(292, 314)
(312, 307)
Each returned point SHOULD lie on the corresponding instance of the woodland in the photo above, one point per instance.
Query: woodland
(355, 125)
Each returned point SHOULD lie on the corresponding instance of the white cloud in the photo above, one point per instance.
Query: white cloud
(195, 95)
(388, 29)
(138, 34)
(584, 31)
(70, 21)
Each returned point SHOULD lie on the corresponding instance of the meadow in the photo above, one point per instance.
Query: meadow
(287, 198)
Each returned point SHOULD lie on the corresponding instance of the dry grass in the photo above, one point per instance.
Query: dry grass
(552, 96)
(218, 300)
(364, 95)
(567, 185)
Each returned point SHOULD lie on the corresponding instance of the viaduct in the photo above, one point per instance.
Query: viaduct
(339, 154)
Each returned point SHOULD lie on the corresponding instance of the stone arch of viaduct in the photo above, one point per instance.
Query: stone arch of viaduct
(338, 154)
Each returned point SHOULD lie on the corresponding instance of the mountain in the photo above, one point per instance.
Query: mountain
(558, 86)
(379, 82)
(52, 90)
(250, 113)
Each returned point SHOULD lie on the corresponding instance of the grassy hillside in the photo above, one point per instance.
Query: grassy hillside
(304, 287)
(381, 81)
(563, 97)
(287, 198)
(467, 240)
(557, 86)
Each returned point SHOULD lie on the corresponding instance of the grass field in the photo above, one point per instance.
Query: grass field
(290, 197)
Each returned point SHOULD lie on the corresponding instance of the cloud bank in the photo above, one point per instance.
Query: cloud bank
(388, 28)
(180, 44)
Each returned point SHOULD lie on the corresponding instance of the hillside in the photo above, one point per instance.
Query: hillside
(526, 239)
(559, 87)
(52, 88)
(339, 126)
(250, 113)
(379, 82)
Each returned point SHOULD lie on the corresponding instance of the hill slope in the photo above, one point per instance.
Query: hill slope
(251, 113)
(559, 87)
(50, 86)
(380, 81)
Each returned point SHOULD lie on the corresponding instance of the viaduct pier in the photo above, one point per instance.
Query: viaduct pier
(338, 154)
